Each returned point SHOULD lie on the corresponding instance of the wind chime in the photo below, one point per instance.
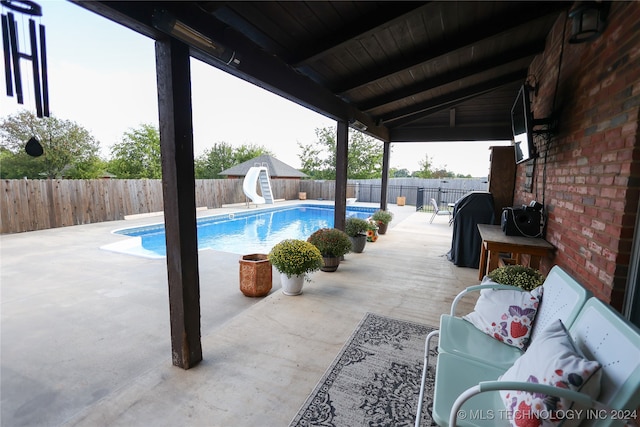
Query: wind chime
(37, 56)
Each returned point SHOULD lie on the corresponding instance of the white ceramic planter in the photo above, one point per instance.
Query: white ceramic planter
(291, 285)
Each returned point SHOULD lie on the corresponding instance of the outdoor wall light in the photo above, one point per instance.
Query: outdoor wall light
(165, 22)
(357, 124)
(588, 21)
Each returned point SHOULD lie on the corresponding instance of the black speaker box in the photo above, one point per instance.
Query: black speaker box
(521, 222)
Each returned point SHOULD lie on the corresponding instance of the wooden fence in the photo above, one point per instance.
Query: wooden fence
(323, 190)
(29, 205)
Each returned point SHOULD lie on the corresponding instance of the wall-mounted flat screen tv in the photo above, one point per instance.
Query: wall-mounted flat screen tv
(522, 125)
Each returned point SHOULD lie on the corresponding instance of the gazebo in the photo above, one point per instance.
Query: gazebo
(277, 169)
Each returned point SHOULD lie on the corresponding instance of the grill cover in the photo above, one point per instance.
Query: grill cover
(469, 211)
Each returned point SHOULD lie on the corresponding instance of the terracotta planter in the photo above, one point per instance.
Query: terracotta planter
(401, 200)
(330, 264)
(302, 195)
(358, 243)
(291, 285)
(255, 275)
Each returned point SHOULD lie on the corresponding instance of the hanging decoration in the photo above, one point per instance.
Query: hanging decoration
(33, 147)
(13, 55)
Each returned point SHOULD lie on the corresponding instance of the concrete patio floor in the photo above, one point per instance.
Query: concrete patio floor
(85, 332)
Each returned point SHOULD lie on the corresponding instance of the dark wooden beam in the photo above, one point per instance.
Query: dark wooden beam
(342, 154)
(386, 157)
(414, 112)
(178, 189)
(495, 132)
(133, 15)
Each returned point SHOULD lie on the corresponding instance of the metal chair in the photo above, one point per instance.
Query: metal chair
(438, 211)
(599, 332)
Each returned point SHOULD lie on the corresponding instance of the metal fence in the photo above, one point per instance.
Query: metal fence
(417, 192)
(442, 196)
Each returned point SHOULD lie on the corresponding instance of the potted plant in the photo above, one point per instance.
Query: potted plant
(332, 244)
(372, 231)
(356, 229)
(255, 275)
(383, 218)
(294, 259)
(523, 277)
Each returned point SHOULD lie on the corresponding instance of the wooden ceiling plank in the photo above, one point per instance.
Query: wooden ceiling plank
(493, 27)
(496, 61)
(357, 28)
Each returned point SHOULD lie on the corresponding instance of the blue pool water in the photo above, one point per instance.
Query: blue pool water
(241, 233)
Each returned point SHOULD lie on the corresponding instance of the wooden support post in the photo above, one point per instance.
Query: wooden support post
(178, 188)
(385, 174)
(342, 152)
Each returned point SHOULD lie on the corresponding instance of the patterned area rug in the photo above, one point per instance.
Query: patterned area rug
(374, 380)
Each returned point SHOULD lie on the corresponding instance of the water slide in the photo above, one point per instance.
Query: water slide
(258, 175)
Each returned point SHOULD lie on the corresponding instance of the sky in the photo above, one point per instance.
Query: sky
(102, 76)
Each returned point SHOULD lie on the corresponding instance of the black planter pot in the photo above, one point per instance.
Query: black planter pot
(382, 227)
(358, 243)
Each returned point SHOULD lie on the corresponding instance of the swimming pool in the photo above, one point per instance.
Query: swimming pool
(241, 232)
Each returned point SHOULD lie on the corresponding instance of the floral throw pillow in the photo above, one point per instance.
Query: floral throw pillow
(551, 359)
(506, 315)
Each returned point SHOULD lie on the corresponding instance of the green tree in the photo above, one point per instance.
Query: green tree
(68, 148)
(223, 156)
(429, 171)
(247, 152)
(93, 168)
(399, 173)
(319, 158)
(138, 154)
(442, 172)
(214, 160)
(313, 163)
(364, 158)
(426, 170)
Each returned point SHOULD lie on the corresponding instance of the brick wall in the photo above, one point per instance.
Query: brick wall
(588, 172)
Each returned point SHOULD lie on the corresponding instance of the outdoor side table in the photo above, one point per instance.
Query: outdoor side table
(494, 241)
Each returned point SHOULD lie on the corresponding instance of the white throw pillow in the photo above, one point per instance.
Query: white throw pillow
(506, 315)
(551, 359)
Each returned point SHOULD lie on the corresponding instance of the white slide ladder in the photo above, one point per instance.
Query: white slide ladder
(255, 175)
